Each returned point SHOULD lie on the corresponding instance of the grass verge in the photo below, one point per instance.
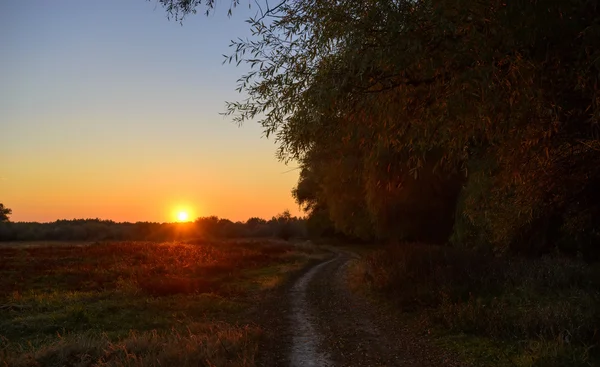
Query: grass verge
(493, 311)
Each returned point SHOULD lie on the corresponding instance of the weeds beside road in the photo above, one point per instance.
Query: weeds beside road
(495, 311)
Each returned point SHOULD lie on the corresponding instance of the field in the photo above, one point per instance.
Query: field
(138, 304)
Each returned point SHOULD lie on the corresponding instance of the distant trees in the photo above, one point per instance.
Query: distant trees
(286, 226)
(282, 226)
(4, 213)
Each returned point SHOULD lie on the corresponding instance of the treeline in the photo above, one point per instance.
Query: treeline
(283, 226)
(470, 122)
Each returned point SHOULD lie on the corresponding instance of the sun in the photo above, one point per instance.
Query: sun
(182, 216)
(182, 213)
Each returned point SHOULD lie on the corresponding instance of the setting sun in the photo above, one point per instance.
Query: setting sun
(182, 213)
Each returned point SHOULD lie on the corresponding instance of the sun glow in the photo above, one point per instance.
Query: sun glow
(182, 213)
(182, 216)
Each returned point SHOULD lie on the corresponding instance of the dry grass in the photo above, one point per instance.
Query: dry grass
(200, 344)
(137, 304)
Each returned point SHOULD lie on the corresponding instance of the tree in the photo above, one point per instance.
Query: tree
(4, 213)
(405, 102)
(254, 222)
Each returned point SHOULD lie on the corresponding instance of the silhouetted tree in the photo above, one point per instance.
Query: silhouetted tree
(255, 221)
(4, 213)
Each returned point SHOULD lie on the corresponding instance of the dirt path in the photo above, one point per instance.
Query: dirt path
(317, 321)
(305, 343)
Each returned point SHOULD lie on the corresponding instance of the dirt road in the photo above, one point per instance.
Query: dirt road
(318, 321)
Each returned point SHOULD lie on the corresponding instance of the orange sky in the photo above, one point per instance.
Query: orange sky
(109, 110)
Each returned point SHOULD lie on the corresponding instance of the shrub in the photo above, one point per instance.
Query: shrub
(426, 275)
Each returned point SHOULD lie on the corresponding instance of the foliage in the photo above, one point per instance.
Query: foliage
(4, 213)
(546, 310)
(501, 96)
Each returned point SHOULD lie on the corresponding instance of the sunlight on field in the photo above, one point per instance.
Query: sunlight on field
(160, 304)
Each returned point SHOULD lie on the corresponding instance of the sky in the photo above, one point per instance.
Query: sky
(110, 110)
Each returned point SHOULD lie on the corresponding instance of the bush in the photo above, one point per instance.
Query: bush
(425, 275)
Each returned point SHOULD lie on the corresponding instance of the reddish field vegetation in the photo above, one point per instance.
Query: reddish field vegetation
(138, 304)
(162, 269)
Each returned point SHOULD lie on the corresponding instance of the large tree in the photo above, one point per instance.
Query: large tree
(503, 97)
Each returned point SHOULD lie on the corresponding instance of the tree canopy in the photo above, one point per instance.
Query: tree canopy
(474, 120)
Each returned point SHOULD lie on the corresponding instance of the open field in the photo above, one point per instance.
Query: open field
(138, 304)
(493, 311)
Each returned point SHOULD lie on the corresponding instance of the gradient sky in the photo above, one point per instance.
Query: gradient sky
(109, 110)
